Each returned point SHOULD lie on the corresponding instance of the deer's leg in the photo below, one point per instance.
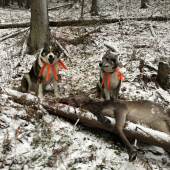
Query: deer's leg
(120, 122)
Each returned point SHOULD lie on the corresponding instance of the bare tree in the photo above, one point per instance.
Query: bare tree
(7, 2)
(28, 4)
(145, 3)
(2, 3)
(20, 3)
(95, 7)
(39, 28)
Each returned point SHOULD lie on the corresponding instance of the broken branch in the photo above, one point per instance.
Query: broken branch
(13, 35)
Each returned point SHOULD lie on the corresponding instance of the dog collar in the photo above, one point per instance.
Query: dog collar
(119, 77)
(59, 63)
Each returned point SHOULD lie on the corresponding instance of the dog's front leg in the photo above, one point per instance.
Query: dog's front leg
(107, 94)
(56, 89)
(40, 90)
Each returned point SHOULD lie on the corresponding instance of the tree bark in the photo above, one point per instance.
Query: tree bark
(28, 4)
(39, 27)
(7, 2)
(94, 8)
(144, 3)
(20, 3)
(2, 4)
(86, 118)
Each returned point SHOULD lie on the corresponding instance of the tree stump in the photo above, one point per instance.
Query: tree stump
(163, 76)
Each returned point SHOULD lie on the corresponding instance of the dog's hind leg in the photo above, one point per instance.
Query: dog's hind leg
(27, 84)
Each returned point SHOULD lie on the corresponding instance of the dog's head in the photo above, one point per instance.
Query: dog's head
(109, 62)
(50, 53)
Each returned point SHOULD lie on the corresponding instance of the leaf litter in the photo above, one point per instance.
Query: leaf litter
(33, 139)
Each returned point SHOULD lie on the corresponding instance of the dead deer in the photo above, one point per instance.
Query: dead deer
(149, 113)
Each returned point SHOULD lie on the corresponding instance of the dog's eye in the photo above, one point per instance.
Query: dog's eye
(113, 60)
(55, 52)
(107, 59)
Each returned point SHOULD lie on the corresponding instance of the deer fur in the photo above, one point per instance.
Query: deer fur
(144, 112)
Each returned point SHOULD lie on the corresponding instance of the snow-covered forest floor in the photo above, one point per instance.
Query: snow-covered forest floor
(31, 138)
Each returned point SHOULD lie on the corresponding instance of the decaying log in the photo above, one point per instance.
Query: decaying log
(163, 75)
(17, 25)
(89, 119)
(86, 22)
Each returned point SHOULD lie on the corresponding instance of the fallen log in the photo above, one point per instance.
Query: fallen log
(131, 130)
(58, 7)
(86, 22)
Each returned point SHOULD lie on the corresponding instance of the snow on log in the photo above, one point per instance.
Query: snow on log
(131, 130)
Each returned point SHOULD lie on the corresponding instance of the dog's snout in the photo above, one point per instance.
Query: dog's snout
(50, 56)
(100, 64)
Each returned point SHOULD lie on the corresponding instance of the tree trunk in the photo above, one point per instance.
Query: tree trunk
(7, 2)
(164, 75)
(28, 5)
(39, 27)
(2, 3)
(95, 8)
(20, 3)
(144, 3)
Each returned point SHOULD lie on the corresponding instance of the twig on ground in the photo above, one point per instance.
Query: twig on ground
(75, 125)
(152, 31)
(146, 163)
(63, 50)
(13, 35)
(147, 133)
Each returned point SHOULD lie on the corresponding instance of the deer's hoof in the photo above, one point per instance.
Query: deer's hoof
(132, 156)
(107, 122)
